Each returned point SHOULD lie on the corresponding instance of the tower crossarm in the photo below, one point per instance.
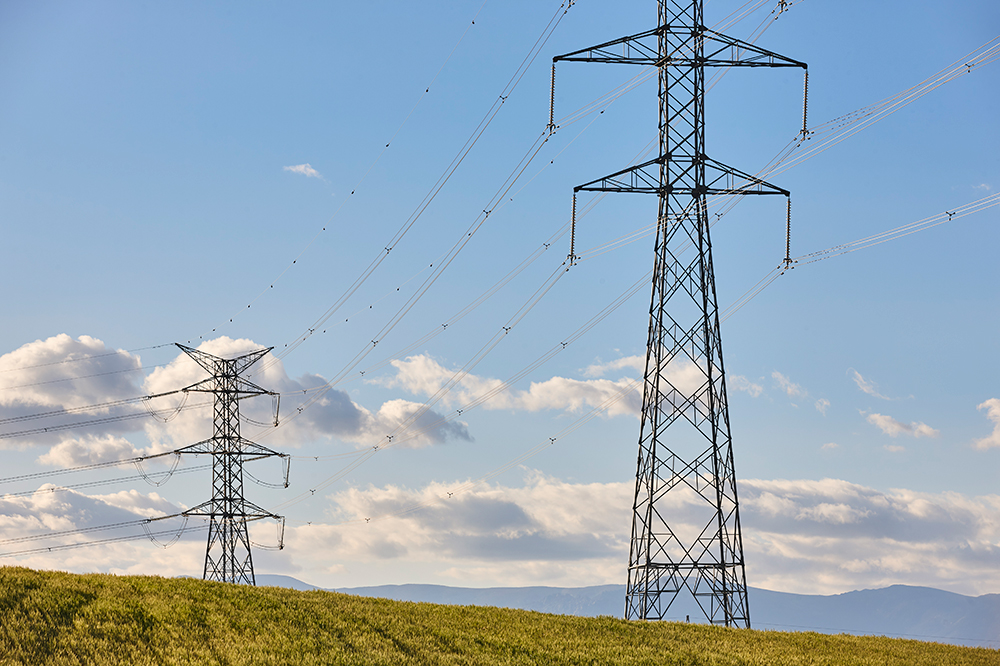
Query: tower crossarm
(238, 387)
(249, 512)
(234, 447)
(210, 363)
(724, 51)
(718, 50)
(639, 49)
(723, 179)
(645, 179)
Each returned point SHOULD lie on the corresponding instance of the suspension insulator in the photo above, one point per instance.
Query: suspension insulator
(572, 235)
(552, 101)
(788, 232)
(805, 105)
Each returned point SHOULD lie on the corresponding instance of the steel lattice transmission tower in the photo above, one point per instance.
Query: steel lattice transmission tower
(227, 556)
(684, 442)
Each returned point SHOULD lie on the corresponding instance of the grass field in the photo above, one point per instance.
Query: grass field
(60, 618)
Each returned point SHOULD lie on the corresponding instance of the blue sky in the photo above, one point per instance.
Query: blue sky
(153, 183)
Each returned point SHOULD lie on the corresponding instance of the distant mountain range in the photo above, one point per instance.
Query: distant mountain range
(902, 611)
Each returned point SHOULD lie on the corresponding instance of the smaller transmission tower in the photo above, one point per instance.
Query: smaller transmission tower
(227, 556)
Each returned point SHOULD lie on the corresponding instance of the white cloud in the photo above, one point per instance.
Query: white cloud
(741, 383)
(31, 382)
(806, 536)
(491, 533)
(819, 537)
(331, 415)
(830, 536)
(88, 450)
(992, 407)
(822, 405)
(62, 373)
(47, 511)
(830, 446)
(304, 169)
(894, 448)
(894, 428)
(637, 363)
(984, 187)
(866, 386)
(785, 384)
(422, 375)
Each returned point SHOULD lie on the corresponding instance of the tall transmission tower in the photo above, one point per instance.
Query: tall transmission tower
(701, 551)
(227, 556)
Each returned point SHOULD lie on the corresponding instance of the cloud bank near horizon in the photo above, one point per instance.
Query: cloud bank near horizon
(803, 536)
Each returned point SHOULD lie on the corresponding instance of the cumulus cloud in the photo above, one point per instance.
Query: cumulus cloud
(865, 385)
(992, 407)
(525, 535)
(88, 450)
(303, 169)
(830, 536)
(788, 386)
(53, 509)
(830, 446)
(423, 375)
(894, 428)
(822, 405)
(36, 374)
(311, 411)
(741, 383)
(637, 363)
(61, 374)
(806, 536)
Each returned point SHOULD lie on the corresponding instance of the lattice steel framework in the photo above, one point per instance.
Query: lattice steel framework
(689, 540)
(227, 556)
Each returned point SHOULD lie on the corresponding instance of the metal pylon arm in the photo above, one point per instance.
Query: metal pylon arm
(643, 49)
(633, 51)
(742, 54)
(233, 447)
(645, 179)
(717, 172)
(249, 513)
(241, 388)
(641, 179)
(210, 363)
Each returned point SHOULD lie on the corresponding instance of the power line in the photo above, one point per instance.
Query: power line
(104, 482)
(364, 176)
(78, 359)
(449, 171)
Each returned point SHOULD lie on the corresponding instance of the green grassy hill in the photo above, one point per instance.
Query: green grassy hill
(60, 618)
